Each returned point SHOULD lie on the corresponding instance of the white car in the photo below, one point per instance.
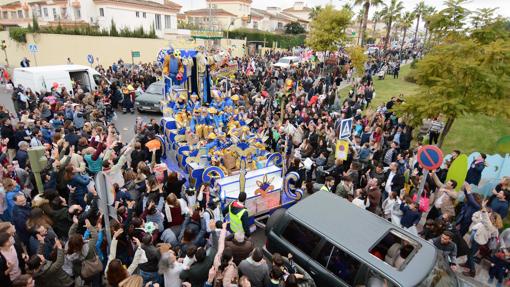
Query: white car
(285, 62)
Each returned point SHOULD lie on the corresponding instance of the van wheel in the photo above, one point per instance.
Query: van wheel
(274, 218)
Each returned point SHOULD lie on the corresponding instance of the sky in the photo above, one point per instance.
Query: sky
(503, 5)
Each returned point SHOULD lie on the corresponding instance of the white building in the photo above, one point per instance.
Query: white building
(130, 14)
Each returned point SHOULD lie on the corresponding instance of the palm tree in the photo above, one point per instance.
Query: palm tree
(406, 21)
(390, 13)
(366, 6)
(315, 11)
(418, 10)
(483, 16)
(359, 19)
(375, 18)
(427, 13)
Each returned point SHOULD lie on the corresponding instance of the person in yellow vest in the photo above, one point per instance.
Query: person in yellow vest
(238, 215)
(328, 185)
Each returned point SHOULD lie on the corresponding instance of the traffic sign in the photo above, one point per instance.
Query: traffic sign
(430, 157)
(345, 128)
(90, 59)
(135, 54)
(33, 48)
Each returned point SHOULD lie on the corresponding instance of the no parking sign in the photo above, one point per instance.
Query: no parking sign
(430, 157)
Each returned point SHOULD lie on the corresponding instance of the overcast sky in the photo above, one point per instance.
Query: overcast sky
(503, 5)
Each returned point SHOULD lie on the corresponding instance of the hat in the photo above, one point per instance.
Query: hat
(211, 136)
(235, 98)
(22, 143)
(212, 110)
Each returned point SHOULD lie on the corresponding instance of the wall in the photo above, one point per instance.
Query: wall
(54, 49)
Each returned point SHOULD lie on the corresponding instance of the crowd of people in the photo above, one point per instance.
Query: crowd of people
(166, 233)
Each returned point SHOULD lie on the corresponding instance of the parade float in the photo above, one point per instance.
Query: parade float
(207, 138)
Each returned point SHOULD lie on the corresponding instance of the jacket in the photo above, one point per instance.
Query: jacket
(449, 250)
(410, 217)
(483, 227)
(257, 272)
(20, 215)
(52, 272)
(240, 251)
(397, 181)
(447, 200)
(198, 271)
(475, 172)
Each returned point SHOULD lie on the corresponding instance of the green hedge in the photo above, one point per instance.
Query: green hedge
(20, 34)
(284, 41)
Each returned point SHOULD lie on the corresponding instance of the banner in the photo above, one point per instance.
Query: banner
(342, 149)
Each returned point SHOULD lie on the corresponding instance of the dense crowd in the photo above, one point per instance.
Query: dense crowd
(165, 232)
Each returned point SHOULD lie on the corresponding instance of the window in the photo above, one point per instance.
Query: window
(157, 21)
(168, 21)
(14, 15)
(20, 14)
(144, 15)
(301, 237)
(280, 25)
(137, 14)
(255, 25)
(45, 11)
(101, 12)
(5, 15)
(55, 16)
(395, 249)
(338, 262)
(77, 13)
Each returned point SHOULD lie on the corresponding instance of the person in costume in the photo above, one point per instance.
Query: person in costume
(217, 102)
(128, 99)
(180, 104)
(193, 103)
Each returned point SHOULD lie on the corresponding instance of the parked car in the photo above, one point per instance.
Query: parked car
(285, 62)
(340, 244)
(150, 100)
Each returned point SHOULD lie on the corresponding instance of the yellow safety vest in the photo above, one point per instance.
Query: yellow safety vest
(236, 224)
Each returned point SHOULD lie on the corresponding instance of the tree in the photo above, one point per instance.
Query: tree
(327, 30)
(390, 13)
(366, 8)
(426, 14)
(359, 19)
(315, 11)
(35, 24)
(483, 17)
(406, 21)
(294, 28)
(113, 30)
(418, 11)
(375, 18)
(475, 81)
(449, 22)
(358, 59)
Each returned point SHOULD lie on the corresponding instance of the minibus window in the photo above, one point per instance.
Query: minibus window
(301, 237)
(395, 249)
(338, 262)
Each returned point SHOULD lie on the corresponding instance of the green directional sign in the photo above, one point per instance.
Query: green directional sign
(135, 54)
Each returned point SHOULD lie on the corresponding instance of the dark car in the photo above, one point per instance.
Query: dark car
(340, 244)
(150, 100)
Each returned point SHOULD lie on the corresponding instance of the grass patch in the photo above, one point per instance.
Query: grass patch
(469, 133)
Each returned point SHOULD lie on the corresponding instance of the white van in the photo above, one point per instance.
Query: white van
(44, 77)
(285, 62)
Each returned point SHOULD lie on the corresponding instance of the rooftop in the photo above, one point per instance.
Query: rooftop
(207, 11)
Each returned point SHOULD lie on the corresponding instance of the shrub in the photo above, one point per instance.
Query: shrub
(18, 34)
(284, 41)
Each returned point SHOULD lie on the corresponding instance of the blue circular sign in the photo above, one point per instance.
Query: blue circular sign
(90, 59)
(430, 157)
